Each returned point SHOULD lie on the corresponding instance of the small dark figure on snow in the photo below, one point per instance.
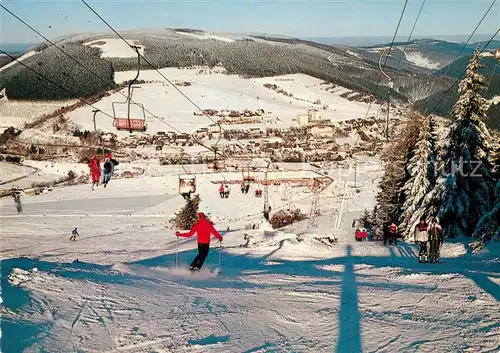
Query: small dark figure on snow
(421, 237)
(204, 228)
(247, 188)
(227, 190)
(186, 195)
(393, 234)
(221, 191)
(17, 200)
(74, 234)
(385, 230)
(267, 213)
(435, 240)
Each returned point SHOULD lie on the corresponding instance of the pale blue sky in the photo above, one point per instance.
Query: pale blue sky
(327, 18)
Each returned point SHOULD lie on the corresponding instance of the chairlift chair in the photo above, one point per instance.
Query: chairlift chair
(187, 182)
(128, 123)
(187, 185)
(247, 178)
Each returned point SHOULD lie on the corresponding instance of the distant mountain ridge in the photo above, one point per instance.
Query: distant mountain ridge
(456, 70)
(246, 55)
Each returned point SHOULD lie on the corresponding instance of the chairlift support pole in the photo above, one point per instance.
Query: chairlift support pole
(95, 111)
(355, 170)
(391, 85)
(266, 189)
(129, 95)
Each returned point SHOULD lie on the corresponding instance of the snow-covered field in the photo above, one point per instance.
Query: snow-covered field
(117, 288)
(218, 91)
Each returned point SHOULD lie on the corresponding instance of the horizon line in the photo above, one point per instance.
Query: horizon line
(427, 36)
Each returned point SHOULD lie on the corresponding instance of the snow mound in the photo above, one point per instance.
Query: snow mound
(289, 246)
(19, 276)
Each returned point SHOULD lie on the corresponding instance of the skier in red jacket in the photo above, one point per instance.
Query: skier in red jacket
(204, 229)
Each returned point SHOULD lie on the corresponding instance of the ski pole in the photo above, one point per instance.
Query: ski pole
(177, 252)
(220, 253)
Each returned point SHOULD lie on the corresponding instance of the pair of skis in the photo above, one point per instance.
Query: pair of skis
(194, 269)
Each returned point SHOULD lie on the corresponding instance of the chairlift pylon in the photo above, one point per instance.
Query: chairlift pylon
(128, 123)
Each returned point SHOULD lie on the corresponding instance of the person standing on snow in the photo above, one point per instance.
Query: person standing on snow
(95, 171)
(393, 234)
(227, 190)
(421, 237)
(435, 239)
(17, 200)
(204, 228)
(385, 230)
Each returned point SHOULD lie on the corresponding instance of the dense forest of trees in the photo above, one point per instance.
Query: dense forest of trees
(452, 178)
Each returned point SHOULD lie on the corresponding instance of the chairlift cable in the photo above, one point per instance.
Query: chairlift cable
(93, 73)
(460, 77)
(411, 34)
(51, 81)
(470, 37)
(388, 54)
(159, 72)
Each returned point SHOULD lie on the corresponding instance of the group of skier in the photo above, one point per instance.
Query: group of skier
(428, 234)
(224, 191)
(107, 170)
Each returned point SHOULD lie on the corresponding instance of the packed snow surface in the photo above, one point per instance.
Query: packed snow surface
(117, 288)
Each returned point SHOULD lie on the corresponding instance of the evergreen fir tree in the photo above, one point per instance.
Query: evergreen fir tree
(188, 215)
(390, 198)
(488, 227)
(433, 152)
(467, 197)
(420, 183)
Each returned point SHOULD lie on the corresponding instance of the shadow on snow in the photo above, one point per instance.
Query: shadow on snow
(235, 271)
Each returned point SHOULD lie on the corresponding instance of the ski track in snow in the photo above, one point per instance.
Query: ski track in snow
(281, 291)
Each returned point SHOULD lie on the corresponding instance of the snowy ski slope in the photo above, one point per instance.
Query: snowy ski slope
(116, 289)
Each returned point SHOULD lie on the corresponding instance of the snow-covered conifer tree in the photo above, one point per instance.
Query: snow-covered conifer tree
(468, 188)
(488, 227)
(391, 197)
(420, 168)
